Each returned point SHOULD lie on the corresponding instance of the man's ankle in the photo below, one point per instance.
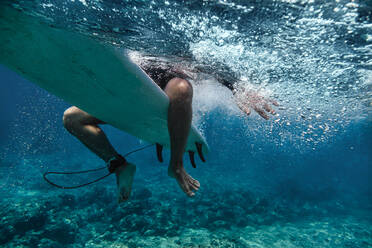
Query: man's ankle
(116, 162)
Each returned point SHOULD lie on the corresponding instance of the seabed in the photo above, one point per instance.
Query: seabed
(34, 214)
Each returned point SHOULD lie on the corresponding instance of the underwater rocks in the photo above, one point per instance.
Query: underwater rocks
(26, 223)
(17, 219)
(156, 216)
(28, 220)
(7, 233)
(62, 232)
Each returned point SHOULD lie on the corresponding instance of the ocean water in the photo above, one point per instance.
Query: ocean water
(300, 179)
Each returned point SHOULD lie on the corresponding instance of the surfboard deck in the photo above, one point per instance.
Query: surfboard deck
(94, 77)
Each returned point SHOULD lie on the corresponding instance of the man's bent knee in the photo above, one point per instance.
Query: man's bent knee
(71, 118)
(178, 88)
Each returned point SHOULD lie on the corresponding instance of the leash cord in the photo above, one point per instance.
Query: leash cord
(85, 171)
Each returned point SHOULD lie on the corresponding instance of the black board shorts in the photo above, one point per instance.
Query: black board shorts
(162, 76)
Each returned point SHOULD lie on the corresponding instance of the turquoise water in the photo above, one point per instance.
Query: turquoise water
(300, 179)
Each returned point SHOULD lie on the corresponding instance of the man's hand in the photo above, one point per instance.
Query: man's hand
(250, 99)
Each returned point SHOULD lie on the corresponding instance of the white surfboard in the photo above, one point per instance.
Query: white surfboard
(97, 78)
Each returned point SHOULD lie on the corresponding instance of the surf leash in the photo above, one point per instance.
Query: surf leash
(111, 170)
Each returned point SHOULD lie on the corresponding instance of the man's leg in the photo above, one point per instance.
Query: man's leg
(180, 93)
(85, 127)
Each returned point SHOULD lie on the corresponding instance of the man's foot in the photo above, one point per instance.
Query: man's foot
(124, 180)
(186, 182)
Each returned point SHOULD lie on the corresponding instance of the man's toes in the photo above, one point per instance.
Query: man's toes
(124, 195)
(194, 182)
(191, 194)
(123, 198)
(193, 185)
(196, 186)
(186, 188)
(120, 199)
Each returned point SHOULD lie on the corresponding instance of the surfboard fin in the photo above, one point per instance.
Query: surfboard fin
(159, 152)
(192, 159)
(199, 149)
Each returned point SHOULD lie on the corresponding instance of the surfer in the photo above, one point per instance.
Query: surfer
(176, 85)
